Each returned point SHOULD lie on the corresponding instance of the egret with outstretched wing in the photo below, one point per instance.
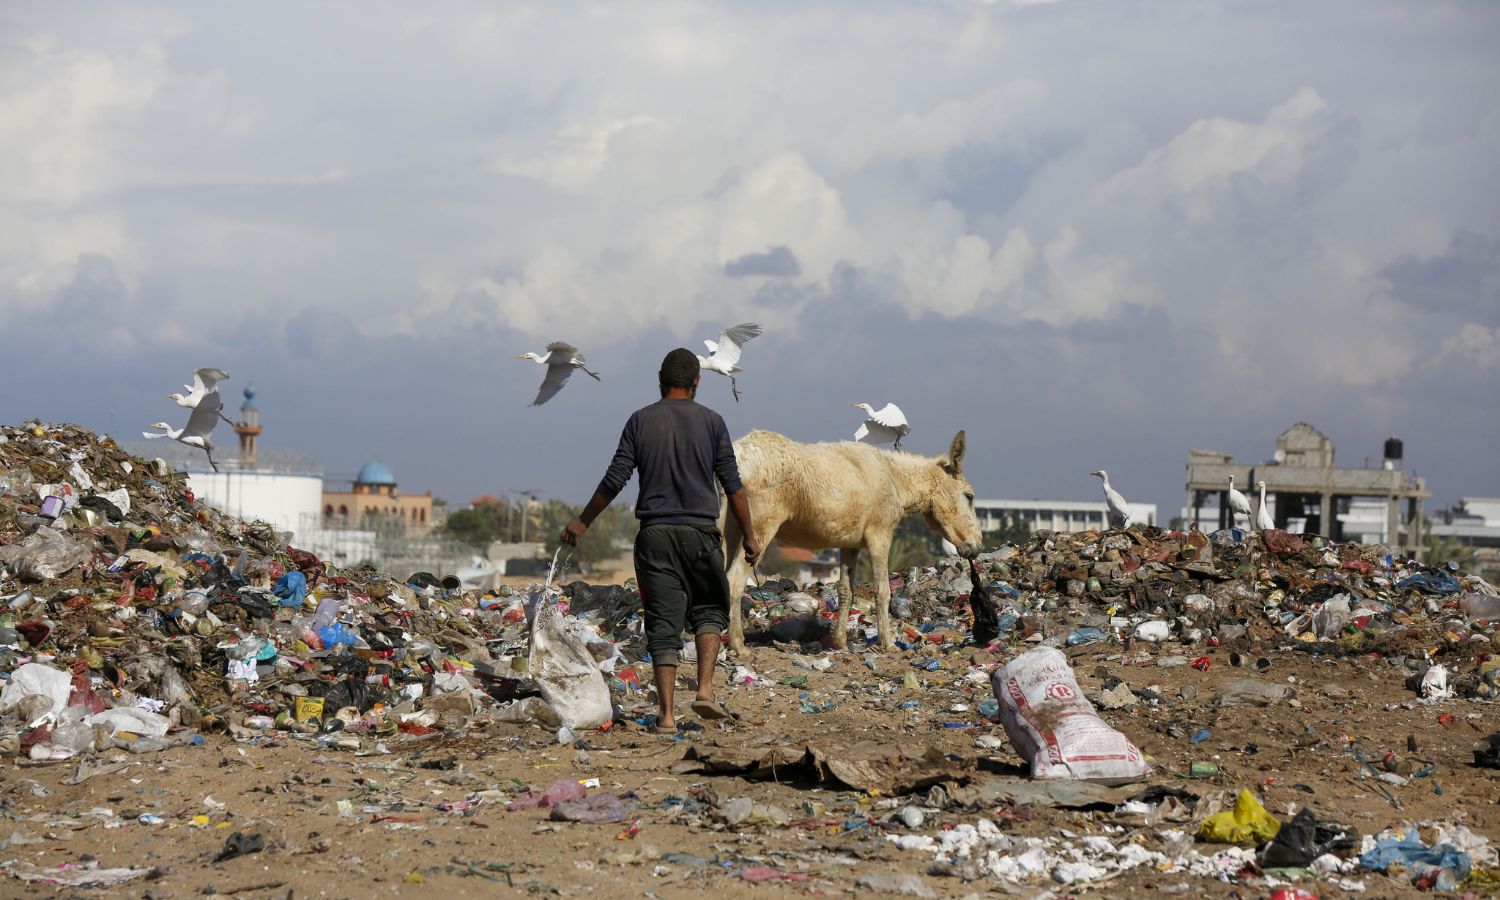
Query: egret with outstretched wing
(886, 425)
(560, 359)
(200, 425)
(205, 381)
(724, 355)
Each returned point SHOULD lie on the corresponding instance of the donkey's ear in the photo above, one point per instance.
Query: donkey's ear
(954, 461)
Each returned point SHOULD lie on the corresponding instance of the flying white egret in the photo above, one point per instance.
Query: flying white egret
(1119, 513)
(1263, 520)
(1239, 504)
(724, 356)
(199, 426)
(205, 381)
(561, 359)
(883, 426)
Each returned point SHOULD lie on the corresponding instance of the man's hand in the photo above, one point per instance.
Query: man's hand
(752, 550)
(573, 532)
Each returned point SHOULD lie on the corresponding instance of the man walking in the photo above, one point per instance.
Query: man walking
(679, 447)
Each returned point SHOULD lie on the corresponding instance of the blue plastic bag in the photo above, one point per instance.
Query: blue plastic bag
(337, 633)
(1442, 584)
(291, 588)
(1410, 852)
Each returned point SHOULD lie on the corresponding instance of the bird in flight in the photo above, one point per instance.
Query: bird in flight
(724, 355)
(205, 382)
(200, 425)
(886, 425)
(560, 359)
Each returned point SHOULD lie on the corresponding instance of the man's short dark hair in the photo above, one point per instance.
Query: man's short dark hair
(679, 369)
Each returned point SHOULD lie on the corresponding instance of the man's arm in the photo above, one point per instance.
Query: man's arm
(741, 509)
(615, 479)
(578, 526)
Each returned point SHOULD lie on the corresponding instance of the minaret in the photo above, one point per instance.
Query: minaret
(248, 428)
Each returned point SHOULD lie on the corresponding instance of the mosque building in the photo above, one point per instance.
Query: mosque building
(374, 493)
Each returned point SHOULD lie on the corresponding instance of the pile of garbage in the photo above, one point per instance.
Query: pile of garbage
(1154, 590)
(134, 615)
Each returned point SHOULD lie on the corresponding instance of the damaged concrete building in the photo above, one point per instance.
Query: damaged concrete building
(1307, 492)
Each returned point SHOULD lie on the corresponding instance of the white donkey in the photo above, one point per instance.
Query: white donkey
(845, 496)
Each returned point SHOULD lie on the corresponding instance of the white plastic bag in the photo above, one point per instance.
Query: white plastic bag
(569, 677)
(37, 679)
(132, 719)
(1052, 725)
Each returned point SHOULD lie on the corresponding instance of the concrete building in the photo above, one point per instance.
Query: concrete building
(1055, 515)
(374, 493)
(1474, 522)
(1306, 491)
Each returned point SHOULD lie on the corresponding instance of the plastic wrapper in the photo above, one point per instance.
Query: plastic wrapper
(566, 672)
(1247, 823)
(1053, 726)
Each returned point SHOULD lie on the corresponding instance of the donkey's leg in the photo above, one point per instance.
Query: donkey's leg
(848, 558)
(739, 571)
(736, 572)
(880, 564)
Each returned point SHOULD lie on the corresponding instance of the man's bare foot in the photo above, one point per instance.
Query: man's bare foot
(709, 708)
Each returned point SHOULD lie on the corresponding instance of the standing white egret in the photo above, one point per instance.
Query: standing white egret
(1239, 504)
(1119, 513)
(1263, 520)
(949, 550)
(883, 426)
(205, 381)
(198, 428)
(560, 359)
(724, 356)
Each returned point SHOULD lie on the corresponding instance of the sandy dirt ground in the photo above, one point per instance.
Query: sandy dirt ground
(337, 824)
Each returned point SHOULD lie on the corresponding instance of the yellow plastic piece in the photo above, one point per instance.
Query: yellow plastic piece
(1247, 823)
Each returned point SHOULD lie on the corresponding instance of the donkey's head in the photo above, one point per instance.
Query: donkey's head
(952, 511)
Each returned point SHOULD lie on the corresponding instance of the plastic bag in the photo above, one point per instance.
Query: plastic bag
(1480, 606)
(566, 672)
(45, 555)
(37, 680)
(1331, 617)
(599, 809)
(1052, 725)
(1247, 823)
(70, 737)
(131, 719)
(291, 588)
(528, 710)
(1249, 692)
(560, 791)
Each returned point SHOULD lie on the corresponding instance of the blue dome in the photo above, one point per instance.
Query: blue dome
(375, 472)
(249, 403)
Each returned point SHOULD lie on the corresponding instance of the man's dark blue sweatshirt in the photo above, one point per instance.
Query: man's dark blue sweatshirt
(679, 447)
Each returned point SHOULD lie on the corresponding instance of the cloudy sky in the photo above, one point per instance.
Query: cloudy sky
(1090, 233)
